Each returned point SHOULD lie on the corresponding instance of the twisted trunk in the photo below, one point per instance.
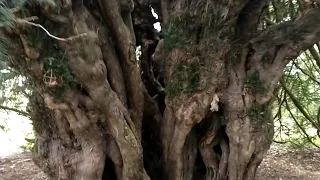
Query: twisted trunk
(197, 106)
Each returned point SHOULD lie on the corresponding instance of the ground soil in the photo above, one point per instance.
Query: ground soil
(281, 163)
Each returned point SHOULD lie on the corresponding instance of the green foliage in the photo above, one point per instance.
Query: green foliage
(13, 87)
(3, 52)
(172, 40)
(295, 124)
(53, 59)
(185, 79)
(280, 11)
(258, 112)
(254, 83)
(300, 142)
(29, 144)
(178, 35)
(255, 113)
(7, 18)
(185, 29)
(186, 76)
(3, 128)
(196, 32)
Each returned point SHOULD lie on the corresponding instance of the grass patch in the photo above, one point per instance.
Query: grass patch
(186, 79)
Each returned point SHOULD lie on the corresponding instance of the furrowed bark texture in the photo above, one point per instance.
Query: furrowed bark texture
(195, 106)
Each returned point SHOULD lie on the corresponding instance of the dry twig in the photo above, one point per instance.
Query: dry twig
(27, 21)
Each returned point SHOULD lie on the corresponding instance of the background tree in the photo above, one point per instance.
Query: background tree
(13, 89)
(298, 96)
(201, 107)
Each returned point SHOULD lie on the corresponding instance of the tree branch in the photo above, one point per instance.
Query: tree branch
(297, 35)
(298, 105)
(165, 12)
(25, 21)
(315, 55)
(300, 126)
(290, 39)
(123, 33)
(318, 116)
(248, 19)
(307, 74)
(23, 113)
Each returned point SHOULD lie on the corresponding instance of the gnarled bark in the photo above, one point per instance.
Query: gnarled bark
(197, 106)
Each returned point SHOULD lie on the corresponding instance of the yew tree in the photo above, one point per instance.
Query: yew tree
(195, 104)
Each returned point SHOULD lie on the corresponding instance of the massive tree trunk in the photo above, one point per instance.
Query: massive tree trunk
(196, 105)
